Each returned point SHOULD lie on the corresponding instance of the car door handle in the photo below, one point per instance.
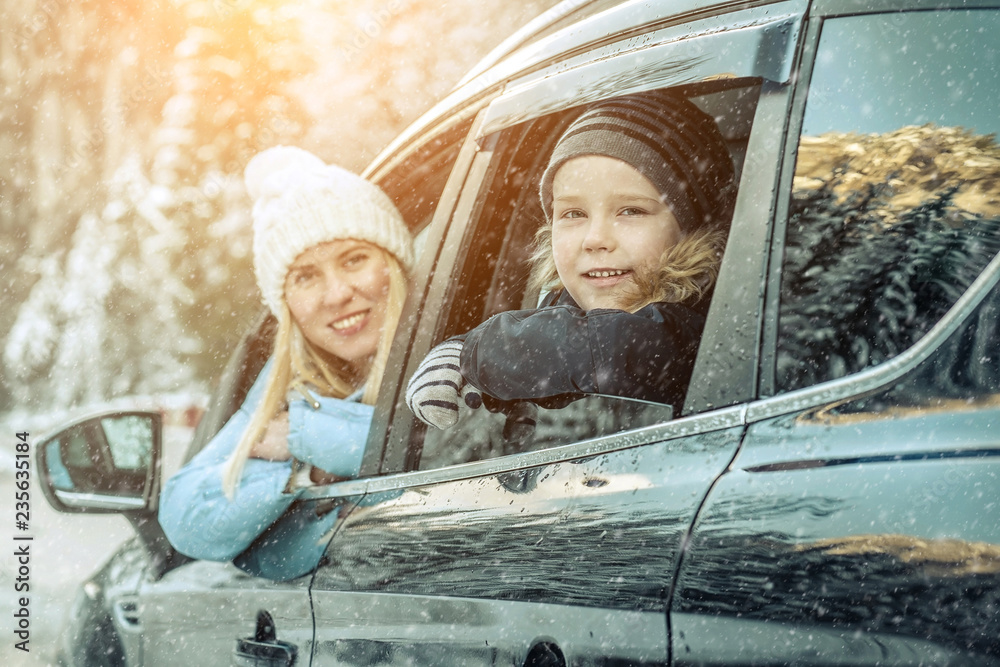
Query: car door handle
(264, 649)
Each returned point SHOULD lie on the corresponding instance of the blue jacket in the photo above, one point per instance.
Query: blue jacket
(259, 527)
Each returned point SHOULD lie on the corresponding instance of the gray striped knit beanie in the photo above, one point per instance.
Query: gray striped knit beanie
(667, 139)
(299, 201)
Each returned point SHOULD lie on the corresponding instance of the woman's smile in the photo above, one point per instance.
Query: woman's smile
(351, 324)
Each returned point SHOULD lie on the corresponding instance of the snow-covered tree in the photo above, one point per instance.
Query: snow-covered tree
(155, 283)
(124, 228)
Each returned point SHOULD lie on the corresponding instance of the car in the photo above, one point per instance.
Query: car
(829, 493)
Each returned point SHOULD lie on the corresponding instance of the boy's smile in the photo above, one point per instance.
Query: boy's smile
(608, 221)
(606, 278)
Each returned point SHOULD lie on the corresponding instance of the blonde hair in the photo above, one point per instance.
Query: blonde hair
(295, 360)
(686, 271)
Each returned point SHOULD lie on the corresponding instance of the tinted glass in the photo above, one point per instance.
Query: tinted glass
(896, 197)
(417, 184)
(962, 377)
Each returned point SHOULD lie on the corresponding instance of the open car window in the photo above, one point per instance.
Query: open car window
(493, 278)
(415, 186)
(895, 204)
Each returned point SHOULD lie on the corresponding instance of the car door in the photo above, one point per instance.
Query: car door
(552, 537)
(860, 522)
(194, 614)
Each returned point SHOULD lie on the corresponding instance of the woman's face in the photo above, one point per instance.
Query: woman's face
(338, 293)
(608, 221)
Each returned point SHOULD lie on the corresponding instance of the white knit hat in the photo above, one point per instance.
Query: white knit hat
(300, 202)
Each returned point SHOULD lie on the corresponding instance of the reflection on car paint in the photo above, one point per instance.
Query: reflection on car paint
(604, 532)
(942, 591)
(797, 547)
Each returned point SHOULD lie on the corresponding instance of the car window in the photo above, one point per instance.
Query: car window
(960, 378)
(895, 204)
(493, 277)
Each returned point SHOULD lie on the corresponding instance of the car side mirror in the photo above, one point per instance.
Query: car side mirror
(103, 464)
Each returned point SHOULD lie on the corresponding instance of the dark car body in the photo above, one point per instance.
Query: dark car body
(830, 492)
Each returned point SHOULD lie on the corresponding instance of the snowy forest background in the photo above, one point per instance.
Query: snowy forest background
(124, 128)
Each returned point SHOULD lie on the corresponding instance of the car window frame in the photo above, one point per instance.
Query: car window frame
(688, 53)
(827, 9)
(380, 455)
(726, 368)
(383, 454)
(496, 199)
(396, 458)
(471, 170)
(254, 348)
(780, 113)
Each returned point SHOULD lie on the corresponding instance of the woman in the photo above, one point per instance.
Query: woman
(331, 254)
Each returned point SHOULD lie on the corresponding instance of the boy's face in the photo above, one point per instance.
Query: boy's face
(607, 221)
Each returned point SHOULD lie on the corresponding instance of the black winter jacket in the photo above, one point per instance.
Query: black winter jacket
(561, 351)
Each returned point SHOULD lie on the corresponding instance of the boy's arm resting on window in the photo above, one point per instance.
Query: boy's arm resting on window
(560, 350)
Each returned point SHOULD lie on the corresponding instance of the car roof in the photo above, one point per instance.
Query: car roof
(549, 21)
(569, 28)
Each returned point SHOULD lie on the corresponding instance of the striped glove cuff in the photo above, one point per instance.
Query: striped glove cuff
(435, 390)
